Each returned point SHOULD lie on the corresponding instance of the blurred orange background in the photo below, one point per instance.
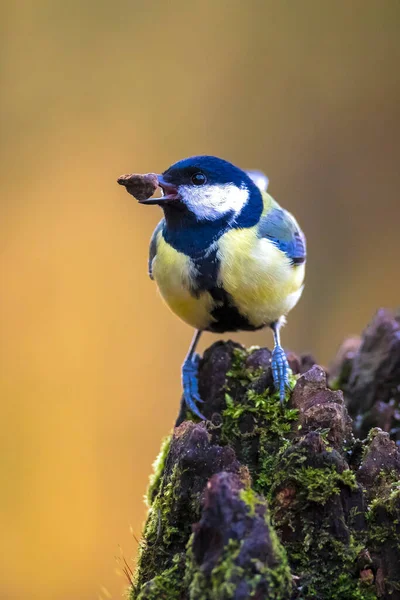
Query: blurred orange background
(307, 91)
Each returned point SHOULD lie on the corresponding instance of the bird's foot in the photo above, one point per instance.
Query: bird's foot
(280, 371)
(190, 384)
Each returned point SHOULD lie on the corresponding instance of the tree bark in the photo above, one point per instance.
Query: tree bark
(267, 502)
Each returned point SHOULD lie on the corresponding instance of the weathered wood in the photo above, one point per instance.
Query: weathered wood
(269, 503)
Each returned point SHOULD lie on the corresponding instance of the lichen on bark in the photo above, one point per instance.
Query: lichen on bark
(261, 501)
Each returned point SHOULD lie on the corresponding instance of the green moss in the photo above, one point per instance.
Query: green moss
(257, 420)
(328, 569)
(325, 559)
(160, 535)
(318, 485)
(158, 468)
(157, 526)
(239, 371)
(348, 478)
(280, 578)
(385, 483)
(222, 583)
(167, 586)
(251, 499)
(270, 420)
(219, 585)
(312, 484)
(372, 435)
(384, 518)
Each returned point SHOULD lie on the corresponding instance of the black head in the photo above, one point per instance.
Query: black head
(206, 186)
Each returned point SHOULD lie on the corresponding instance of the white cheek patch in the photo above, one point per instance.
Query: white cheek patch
(210, 202)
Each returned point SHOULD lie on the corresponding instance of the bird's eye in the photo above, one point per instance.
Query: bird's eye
(199, 179)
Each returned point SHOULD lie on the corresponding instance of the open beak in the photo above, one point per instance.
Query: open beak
(170, 193)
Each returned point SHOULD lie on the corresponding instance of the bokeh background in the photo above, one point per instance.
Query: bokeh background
(308, 91)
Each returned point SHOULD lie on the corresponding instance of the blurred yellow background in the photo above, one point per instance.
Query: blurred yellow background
(308, 91)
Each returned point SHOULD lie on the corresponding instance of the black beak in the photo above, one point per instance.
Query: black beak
(170, 191)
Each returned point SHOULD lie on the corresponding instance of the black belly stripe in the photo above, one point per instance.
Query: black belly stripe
(206, 270)
(227, 316)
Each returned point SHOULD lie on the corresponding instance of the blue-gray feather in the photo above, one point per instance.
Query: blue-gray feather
(281, 228)
(153, 247)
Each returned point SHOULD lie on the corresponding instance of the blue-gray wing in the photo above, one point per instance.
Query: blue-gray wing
(282, 229)
(153, 247)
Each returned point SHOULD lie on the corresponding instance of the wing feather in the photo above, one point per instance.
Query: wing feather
(153, 247)
(279, 226)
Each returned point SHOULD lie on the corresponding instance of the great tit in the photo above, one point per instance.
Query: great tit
(225, 257)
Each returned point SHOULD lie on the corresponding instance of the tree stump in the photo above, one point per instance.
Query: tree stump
(266, 502)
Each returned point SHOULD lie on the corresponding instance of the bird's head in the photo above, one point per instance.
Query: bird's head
(206, 187)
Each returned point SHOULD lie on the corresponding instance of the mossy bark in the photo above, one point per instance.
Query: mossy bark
(267, 502)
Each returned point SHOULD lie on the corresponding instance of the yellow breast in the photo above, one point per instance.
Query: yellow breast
(175, 273)
(260, 278)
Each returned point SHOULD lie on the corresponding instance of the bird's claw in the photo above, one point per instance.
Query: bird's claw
(190, 384)
(280, 371)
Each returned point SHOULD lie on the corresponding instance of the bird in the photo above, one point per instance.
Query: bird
(226, 257)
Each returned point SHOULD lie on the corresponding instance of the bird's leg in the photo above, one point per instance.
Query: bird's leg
(279, 363)
(190, 381)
